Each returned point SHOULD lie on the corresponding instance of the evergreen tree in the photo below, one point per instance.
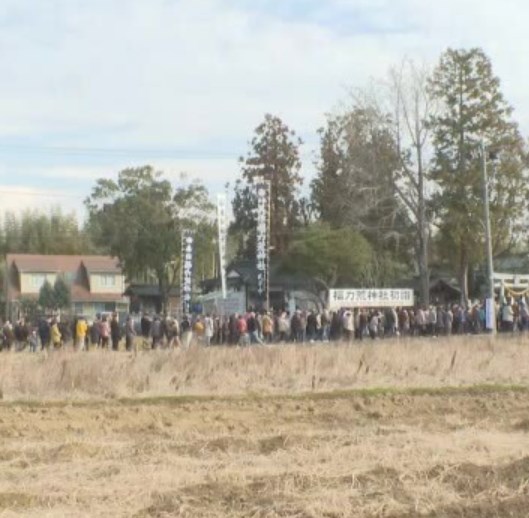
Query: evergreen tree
(36, 232)
(472, 107)
(355, 185)
(47, 296)
(61, 294)
(274, 157)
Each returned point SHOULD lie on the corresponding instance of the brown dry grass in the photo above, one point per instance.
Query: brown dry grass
(271, 370)
(268, 437)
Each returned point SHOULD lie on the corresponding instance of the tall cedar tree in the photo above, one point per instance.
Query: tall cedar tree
(472, 107)
(274, 156)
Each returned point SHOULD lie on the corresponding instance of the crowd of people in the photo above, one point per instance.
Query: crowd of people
(107, 332)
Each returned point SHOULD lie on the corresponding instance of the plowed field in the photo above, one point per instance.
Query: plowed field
(443, 452)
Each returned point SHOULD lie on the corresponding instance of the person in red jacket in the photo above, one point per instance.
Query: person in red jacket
(242, 330)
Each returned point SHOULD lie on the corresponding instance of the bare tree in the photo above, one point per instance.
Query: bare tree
(412, 107)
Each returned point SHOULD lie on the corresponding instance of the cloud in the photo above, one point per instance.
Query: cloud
(17, 198)
(183, 83)
(68, 186)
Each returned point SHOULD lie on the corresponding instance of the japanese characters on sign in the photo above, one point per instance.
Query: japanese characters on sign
(222, 227)
(262, 251)
(187, 271)
(370, 298)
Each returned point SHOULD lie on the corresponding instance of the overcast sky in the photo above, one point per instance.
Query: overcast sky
(90, 87)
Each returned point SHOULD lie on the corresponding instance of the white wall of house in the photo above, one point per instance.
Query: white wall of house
(31, 283)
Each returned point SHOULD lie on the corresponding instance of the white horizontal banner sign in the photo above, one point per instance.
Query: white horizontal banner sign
(370, 298)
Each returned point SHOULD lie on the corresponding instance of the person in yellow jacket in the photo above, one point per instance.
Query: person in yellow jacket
(198, 330)
(267, 325)
(55, 334)
(81, 328)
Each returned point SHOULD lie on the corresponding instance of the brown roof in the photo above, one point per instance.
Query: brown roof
(101, 264)
(63, 263)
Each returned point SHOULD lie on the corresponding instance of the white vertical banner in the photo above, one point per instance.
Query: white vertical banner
(187, 271)
(223, 228)
(263, 244)
(490, 314)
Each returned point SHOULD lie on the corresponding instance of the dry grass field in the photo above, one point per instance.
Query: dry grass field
(393, 429)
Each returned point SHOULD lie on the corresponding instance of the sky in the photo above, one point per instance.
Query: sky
(90, 88)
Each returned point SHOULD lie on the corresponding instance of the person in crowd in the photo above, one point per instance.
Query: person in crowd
(187, 332)
(440, 321)
(233, 333)
(348, 326)
(81, 329)
(130, 333)
(21, 334)
(8, 335)
(242, 331)
(524, 316)
(156, 332)
(225, 330)
(55, 334)
(95, 332)
(145, 324)
(374, 323)
(312, 326)
(199, 329)
(507, 317)
(209, 330)
(336, 330)
(44, 333)
(283, 327)
(448, 321)
(173, 333)
(268, 328)
(104, 332)
(302, 326)
(295, 327)
(33, 340)
(325, 325)
(252, 327)
(115, 332)
(432, 321)
(404, 322)
(420, 321)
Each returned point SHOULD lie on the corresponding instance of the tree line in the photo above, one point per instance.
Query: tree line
(397, 190)
(398, 185)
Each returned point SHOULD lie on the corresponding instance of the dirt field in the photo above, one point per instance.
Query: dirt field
(398, 452)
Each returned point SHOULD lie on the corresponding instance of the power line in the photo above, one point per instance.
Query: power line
(41, 194)
(182, 154)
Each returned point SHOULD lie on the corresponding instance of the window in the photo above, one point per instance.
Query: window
(108, 281)
(37, 280)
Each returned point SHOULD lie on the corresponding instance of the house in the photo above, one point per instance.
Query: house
(146, 298)
(96, 282)
(287, 290)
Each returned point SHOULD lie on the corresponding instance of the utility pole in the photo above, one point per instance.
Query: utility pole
(268, 243)
(488, 236)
